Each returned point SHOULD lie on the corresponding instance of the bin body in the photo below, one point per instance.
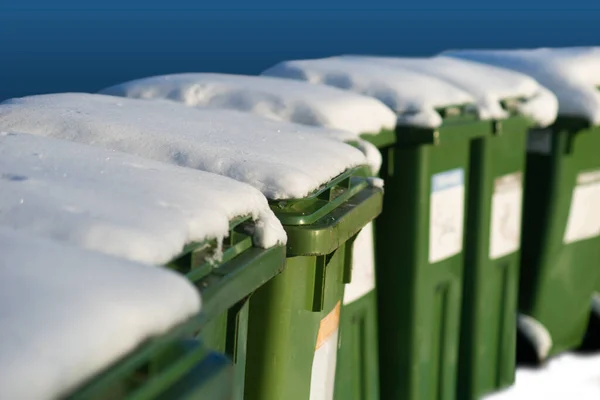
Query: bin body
(357, 370)
(293, 335)
(561, 242)
(206, 356)
(492, 259)
(226, 288)
(420, 258)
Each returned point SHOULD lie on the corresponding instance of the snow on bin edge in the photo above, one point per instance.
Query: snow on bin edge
(489, 85)
(282, 160)
(570, 73)
(68, 313)
(121, 204)
(412, 95)
(271, 97)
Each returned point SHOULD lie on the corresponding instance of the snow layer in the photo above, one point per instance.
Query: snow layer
(120, 204)
(275, 98)
(489, 85)
(572, 74)
(282, 160)
(66, 313)
(414, 96)
(568, 376)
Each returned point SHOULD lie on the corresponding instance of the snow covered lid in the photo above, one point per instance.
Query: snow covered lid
(119, 204)
(414, 96)
(275, 98)
(346, 114)
(572, 74)
(282, 160)
(489, 85)
(68, 313)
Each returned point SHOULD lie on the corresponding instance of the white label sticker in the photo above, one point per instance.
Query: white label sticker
(539, 141)
(584, 215)
(446, 214)
(363, 266)
(322, 381)
(505, 224)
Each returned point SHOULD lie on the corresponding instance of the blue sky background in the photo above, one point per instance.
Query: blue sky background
(84, 47)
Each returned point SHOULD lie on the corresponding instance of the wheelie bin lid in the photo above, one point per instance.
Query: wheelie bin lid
(120, 204)
(274, 98)
(412, 95)
(282, 160)
(571, 73)
(491, 86)
(69, 313)
(271, 97)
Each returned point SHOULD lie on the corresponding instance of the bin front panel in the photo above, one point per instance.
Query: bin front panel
(419, 242)
(492, 259)
(289, 342)
(357, 375)
(561, 242)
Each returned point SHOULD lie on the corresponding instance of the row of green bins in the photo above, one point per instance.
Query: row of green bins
(53, 358)
(291, 342)
(226, 273)
(418, 277)
(561, 230)
(493, 225)
(293, 347)
(428, 173)
(357, 375)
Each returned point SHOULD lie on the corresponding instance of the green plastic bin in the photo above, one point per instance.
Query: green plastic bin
(420, 257)
(226, 288)
(294, 330)
(357, 368)
(561, 242)
(221, 327)
(492, 156)
(487, 351)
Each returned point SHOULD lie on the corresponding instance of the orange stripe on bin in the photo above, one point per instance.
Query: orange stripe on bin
(328, 326)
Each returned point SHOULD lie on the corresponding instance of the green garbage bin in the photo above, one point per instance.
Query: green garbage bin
(561, 237)
(420, 255)
(561, 229)
(226, 271)
(80, 324)
(492, 251)
(226, 288)
(493, 157)
(293, 346)
(486, 354)
(357, 373)
(222, 327)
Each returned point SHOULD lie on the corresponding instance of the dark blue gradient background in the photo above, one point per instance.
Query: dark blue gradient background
(63, 49)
